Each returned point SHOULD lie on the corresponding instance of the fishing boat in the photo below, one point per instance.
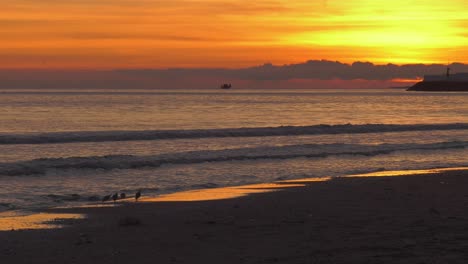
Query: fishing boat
(226, 86)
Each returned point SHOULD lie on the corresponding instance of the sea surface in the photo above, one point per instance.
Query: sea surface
(68, 147)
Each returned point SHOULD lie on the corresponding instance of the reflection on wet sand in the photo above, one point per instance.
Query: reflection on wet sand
(406, 172)
(13, 221)
(220, 193)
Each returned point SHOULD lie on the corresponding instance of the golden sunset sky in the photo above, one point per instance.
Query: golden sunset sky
(106, 34)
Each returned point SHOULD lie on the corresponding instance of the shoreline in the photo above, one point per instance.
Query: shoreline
(352, 219)
(50, 218)
(43, 218)
(203, 194)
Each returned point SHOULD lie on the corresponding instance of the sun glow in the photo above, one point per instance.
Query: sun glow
(398, 31)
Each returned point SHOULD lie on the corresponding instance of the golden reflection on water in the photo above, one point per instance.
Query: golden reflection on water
(34, 221)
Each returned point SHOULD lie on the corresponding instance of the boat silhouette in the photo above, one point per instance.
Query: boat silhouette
(226, 86)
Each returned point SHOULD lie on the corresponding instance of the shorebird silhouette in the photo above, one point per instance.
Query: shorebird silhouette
(106, 198)
(137, 195)
(115, 197)
(123, 196)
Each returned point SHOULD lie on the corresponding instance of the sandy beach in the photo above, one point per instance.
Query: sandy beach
(400, 219)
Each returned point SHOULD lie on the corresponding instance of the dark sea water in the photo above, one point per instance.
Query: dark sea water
(65, 147)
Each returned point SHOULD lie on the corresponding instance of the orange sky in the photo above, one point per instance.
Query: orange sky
(227, 33)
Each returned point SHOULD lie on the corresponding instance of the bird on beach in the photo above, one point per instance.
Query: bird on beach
(106, 198)
(123, 196)
(137, 195)
(115, 197)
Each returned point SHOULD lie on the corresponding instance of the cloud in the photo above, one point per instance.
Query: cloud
(314, 73)
(313, 69)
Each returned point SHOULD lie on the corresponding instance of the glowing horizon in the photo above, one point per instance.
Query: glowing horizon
(207, 33)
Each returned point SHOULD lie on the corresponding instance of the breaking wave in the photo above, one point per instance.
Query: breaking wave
(110, 136)
(41, 166)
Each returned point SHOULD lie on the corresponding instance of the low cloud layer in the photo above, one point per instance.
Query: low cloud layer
(314, 69)
(311, 74)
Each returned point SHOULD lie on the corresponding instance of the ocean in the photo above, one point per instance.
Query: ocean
(69, 147)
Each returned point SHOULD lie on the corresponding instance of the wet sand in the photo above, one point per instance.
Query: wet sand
(404, 219)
